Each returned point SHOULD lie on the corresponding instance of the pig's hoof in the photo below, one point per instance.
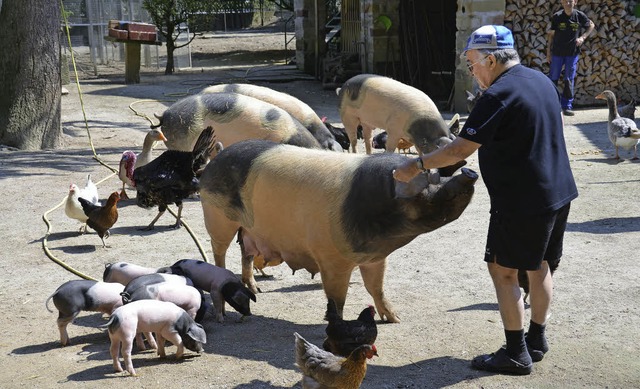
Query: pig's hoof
(390, 317)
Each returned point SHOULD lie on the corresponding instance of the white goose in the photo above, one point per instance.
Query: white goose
(623, 132)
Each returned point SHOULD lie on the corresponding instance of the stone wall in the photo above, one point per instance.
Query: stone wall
(310, 46)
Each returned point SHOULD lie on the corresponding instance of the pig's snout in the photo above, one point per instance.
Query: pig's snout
(468, 176)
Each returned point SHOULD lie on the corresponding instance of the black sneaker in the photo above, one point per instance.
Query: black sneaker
(500, 362)
(568, 112)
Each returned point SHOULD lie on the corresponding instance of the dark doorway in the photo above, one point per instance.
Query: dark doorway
(428, 47)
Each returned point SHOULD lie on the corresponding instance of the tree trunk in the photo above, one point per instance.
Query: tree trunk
(169, 69)
(171, 46)
(30, 74)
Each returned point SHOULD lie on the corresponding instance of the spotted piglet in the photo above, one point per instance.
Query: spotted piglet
(223, 285)
(75, 296)
(124, 272)
(166, 319)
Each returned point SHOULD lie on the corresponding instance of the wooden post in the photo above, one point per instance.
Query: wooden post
(132, 63)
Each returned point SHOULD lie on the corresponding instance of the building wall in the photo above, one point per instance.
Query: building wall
(380, 49)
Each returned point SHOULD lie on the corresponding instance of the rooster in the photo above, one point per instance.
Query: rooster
(172, 177)
(322, 369)
(101, 218)
(72, 207)
(344, 336)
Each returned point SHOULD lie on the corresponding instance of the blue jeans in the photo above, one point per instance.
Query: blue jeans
(570, 65)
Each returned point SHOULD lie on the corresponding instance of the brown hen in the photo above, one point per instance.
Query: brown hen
(323, 370)
(101, 218)
(344, 336)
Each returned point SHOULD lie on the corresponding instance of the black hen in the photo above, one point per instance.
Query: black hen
(380, 141)
(344, 336)
(172, 176)
(341, 135)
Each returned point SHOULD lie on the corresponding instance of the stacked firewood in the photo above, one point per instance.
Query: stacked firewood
(610, 57)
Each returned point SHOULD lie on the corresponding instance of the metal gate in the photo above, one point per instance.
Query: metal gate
(351, 34)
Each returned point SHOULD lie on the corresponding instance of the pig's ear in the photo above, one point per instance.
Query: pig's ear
(251, 295)
(405, 190)
(237, 295)
(197, 333)
(448, 171)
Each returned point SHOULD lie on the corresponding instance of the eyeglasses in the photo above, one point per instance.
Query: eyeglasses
(470, 66)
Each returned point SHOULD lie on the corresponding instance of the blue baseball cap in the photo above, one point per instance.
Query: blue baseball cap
(490, 37)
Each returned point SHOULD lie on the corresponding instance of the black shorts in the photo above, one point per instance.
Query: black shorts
(524, 241)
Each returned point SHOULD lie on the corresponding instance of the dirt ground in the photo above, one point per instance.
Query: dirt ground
(438, 283)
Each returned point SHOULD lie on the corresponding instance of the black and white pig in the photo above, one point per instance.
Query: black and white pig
(75, 296)
(185, 296)
(373, 101)
(156, 278)
(123, 272)
(166, 319)
(221, 283)
(334, 211)
(294, 106)
(234, 117)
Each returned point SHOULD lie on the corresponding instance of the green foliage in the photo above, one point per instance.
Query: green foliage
(284, 4)
(167, 14)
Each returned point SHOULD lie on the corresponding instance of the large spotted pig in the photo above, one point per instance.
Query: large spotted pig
(166, 319)
(234, 118)
(373, 101)
(75, 296)
(330, 211)
(294, 106)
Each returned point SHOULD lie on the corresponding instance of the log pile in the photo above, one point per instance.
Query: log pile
(610, 57)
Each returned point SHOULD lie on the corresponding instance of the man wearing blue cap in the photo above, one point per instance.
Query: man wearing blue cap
(517, 128)
(563, 49)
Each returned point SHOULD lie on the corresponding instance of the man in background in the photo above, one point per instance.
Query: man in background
(563, 49)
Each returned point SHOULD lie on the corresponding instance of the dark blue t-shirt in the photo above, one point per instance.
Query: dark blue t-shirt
(567, 29)
(523, 157)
